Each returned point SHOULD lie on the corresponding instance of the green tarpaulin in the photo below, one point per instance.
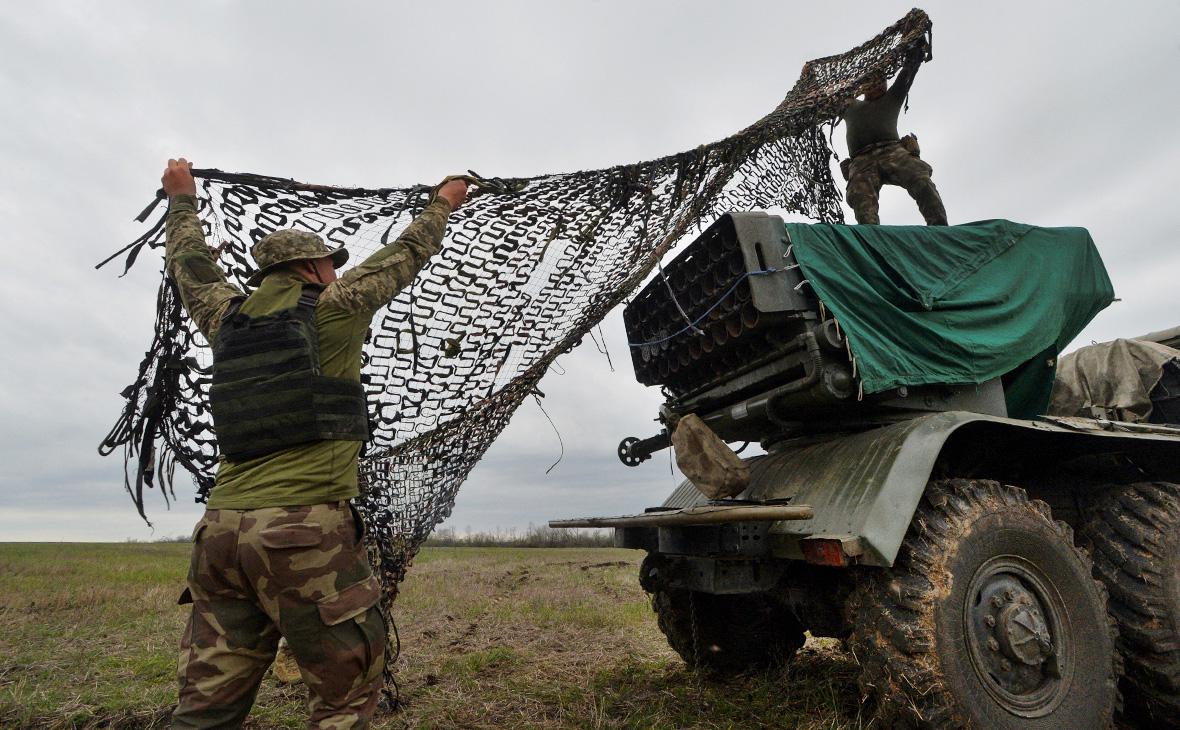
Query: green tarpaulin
(956, 304)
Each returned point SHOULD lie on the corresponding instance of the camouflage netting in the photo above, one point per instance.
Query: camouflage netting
(528, 267)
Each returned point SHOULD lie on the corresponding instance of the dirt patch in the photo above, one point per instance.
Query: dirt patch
(615, 564)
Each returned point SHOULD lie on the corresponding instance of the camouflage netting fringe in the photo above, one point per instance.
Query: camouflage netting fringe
(529, 266)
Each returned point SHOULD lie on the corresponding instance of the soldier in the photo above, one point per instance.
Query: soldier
(878, 156)
(278, 551)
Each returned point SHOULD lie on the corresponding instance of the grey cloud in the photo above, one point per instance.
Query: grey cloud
(1058, 113)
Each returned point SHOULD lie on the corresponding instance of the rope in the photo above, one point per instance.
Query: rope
(560, 443)
(672, 295)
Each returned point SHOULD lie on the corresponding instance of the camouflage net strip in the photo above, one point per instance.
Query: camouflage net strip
(528, 268)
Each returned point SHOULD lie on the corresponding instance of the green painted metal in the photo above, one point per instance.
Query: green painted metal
(867, 485)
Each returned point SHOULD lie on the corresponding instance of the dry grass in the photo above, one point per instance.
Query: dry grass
(491, 638)
(536, 536)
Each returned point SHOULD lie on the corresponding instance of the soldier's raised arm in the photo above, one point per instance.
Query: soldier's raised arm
(204, 290)
(371, 284)
(905, 77)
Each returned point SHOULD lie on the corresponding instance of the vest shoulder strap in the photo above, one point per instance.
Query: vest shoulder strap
(231, 311)
(310, 296)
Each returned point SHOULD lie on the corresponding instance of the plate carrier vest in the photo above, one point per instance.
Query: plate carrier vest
(268, 392)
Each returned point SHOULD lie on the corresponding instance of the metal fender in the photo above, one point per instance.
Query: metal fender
(864, 487)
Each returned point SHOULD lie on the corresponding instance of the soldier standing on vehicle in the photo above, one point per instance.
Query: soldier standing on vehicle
(878, 156)
(278, 551)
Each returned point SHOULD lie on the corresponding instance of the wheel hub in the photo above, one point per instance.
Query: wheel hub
(1013, 628)
(1022, 632)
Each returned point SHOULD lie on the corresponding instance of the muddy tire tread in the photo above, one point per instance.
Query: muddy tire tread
(675, 621)
(906, 688)
(1127, 537)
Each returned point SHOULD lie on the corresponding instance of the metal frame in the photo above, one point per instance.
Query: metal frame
(867, 485)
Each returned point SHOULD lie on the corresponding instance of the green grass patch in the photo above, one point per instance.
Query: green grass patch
(492, 638)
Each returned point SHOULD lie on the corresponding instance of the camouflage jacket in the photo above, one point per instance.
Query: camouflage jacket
(323, 471)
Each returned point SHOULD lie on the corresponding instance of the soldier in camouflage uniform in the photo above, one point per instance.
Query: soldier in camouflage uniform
(278, 551)
(878, 156)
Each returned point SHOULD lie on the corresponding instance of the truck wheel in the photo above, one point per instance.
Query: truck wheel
(727, 634)
(989, 618)
(1134, 538)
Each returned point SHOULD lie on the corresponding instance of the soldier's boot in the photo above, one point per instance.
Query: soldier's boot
(285, 668)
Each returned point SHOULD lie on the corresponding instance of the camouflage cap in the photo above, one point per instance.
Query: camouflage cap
(289, 244)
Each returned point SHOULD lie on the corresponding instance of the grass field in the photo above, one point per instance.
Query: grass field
(491, 638)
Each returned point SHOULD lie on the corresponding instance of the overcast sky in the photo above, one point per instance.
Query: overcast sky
(1060, 113)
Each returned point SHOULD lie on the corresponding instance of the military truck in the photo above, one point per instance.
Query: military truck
(987, 565)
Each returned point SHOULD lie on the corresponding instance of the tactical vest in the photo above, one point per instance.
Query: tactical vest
(268, 392)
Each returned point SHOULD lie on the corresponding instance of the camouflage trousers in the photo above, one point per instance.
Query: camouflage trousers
(298, 572)
(892, 164)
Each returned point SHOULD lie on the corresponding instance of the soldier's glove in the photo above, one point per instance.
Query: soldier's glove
(482, 184)
(918, 53)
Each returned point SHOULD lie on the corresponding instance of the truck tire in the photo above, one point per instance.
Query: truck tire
(727, 634)
(989, 618)
(1134, 538)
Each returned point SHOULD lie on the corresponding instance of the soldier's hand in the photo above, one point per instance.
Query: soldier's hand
(178, 178)
(454, 192)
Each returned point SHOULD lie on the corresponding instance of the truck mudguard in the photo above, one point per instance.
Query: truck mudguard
(864, 487)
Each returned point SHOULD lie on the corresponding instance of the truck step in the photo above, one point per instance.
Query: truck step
(697, 515)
